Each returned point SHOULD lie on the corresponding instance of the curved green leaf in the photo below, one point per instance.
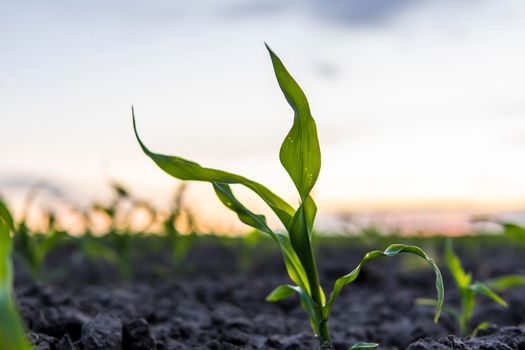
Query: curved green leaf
(300, 153)
(506, 282)
(313, 309)
(462, 278)
(513, 231)
(187, 170)
(479, 327)
(225, 194)
(12, 333)
(388, 252)
(281, 292)
(363, 345)
(292, 262)
(433, 302)
(485, 290)
(5, 214)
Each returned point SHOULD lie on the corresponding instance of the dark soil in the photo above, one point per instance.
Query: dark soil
(212, 304)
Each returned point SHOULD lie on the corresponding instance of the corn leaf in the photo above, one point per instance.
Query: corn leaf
(433, 302)
(12, 333)
(300, 153)
(187, 170)
(389, 252)
(506, 282)
(514, 232)
(363, 345)
(302, 245)
(479, 327)
(462, 278)
(485, 290)
(281, 292)
(5, 214)
(313, 309)
(293, 265)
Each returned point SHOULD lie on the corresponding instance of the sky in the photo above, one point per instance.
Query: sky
(419, 104)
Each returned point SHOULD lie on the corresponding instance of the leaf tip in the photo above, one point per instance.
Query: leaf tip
(268, 47)
(144, 148)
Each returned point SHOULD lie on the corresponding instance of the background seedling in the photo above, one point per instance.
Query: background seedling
(179, 243)
(513, 231)
(301, 157)
(120, 212)
(30, 247)
(468, 291)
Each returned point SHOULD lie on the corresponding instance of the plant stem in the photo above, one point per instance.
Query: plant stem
(324, 333)
(313, 280)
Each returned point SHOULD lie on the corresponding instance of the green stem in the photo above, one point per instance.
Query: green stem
(313, 280)
(324, 333)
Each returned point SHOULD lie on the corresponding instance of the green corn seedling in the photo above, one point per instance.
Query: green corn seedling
(179, 243)
(513, 231)
(33, 248)
(468, 291)
(12, 332)
(300, 155)
(120, 212)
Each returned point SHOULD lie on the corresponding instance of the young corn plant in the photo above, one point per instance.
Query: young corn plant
(179, 243)
(119, 212)
(12, 332)
(469, 290)
(300, 155)
(513, 231)
(33, 248)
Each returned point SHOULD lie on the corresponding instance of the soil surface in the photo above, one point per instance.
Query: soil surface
(211, 303)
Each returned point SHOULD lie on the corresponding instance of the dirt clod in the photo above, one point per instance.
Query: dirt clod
(103, 332)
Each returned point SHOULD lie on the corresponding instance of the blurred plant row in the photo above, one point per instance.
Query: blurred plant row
(177, 236)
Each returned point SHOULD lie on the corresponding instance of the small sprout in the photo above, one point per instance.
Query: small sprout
(300, 155)
(363, 345)
(179, 243)
(30, 247)
(119, 212)
(468, 291)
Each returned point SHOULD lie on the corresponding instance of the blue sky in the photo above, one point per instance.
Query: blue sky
(419, 104)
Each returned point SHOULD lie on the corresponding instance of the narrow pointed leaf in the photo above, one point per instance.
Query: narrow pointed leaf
(485, 290)
(363, 345)
(506, 282)
(225, 194)
(462, 278)
(313, 309)
(392, 250)
(187, 170)
(479, 327)
(300, 153)
(5, 214)
(434, 302)
(292, 262)
(282, 292)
